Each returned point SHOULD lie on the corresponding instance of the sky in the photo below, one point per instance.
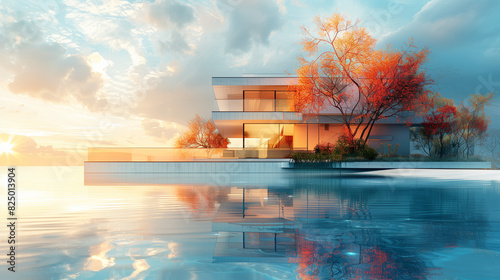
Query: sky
(80, 74)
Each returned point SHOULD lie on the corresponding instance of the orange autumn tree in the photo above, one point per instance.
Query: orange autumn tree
(343, 70)
(439, 125)
(201, 133)
(394, 86)
(473, 122)
(449, 130)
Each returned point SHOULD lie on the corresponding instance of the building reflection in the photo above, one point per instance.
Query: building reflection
(340, 231)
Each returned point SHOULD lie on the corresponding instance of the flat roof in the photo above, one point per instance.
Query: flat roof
(253, 81)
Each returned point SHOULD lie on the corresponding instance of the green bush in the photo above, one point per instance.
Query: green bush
(345, 149)
(316, 157)
(368, 153)
(347, 146)
(324, 148)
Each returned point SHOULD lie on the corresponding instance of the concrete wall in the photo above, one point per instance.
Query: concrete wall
(254, 172)
(176, 167)
(222, 172)
(393, 134)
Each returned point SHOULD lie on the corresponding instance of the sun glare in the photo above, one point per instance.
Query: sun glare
(6, 148)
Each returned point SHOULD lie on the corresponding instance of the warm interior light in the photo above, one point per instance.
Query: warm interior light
(6, 148)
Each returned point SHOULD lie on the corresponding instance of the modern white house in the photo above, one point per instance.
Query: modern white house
(254, 113)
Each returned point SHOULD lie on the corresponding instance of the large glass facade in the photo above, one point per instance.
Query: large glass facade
(257, 101)
(268, 136)
(289, 136)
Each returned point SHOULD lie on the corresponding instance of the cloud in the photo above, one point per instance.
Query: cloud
(167, 14)
(282, 6)
(27, 146)
(160, 130)
(177, 43)
(44, 70)
(177, 98)
(176, 24)
(186, 89)
(103, 23)
(252, 22)
(462, 36)
(443, 23)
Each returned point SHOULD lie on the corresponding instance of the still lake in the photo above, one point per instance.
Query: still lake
(420, 225)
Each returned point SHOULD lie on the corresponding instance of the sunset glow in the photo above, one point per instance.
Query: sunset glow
(80, 74)
(250, 139)
(6, 148)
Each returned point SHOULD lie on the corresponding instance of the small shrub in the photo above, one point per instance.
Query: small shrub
(348, 146)
(324, 148)
(388, 150)
(368, 153)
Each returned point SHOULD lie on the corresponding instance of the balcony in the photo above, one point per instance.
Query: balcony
(252, 105)
(249, 117)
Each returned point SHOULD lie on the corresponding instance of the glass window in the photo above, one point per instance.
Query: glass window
(284, 95)
(267, 101)
(300, 137)
(285, 139)
(260, 135)
(284, 101)
(230, 105)
(258, 94)
(269, 136)
(312, 136)
(284, 105)
(328, 133)
(259, 105)
(259, 101)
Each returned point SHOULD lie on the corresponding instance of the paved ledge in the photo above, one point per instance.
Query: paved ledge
(260, 166)
(253, 172)
(192, 167)
(405, 165)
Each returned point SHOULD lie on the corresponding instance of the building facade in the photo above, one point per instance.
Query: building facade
(254, 113)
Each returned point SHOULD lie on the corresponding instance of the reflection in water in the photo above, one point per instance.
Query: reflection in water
(172, 247)
(139, 266)
(350, 256)
(305, 228)
(348, 229)
(202, 199)
(98, 259)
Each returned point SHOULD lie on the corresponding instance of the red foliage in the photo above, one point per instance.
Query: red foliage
(460, 129)
(201, 133)
(387, 82)
(393, 82)
(440, 121)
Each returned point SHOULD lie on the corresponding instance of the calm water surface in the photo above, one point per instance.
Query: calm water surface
(308, 227)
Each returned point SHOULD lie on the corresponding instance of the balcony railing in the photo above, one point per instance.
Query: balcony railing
(173, 154)
(252, 105)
